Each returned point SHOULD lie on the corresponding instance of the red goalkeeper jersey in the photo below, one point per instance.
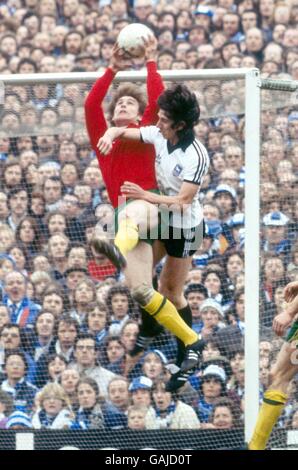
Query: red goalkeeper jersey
(128, 160)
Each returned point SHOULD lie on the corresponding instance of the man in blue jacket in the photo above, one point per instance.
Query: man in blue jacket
(23, 311)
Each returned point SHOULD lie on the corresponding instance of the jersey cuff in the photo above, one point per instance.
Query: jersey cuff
(193, 182)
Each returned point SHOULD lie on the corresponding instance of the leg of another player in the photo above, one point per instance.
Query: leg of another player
(275, 397)
(158, 306)
(135, 220)
(172, 283)
(172, 280)
(138, 270)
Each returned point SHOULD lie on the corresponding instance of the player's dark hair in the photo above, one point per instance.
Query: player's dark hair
(181, 106)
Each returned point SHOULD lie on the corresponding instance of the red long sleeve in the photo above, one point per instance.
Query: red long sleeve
(128, 160)
(95, 120)
(155, 87)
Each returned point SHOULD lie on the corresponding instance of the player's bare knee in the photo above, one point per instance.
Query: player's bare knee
(142, 294)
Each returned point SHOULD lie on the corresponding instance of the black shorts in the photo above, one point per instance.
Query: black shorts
(179, 242)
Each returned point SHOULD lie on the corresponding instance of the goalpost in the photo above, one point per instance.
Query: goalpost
(250, 85)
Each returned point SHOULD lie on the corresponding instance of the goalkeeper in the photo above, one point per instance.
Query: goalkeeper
(283, 371)
(134, 161)
(181, 164)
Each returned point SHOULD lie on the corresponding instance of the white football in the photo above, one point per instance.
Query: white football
(130, 39)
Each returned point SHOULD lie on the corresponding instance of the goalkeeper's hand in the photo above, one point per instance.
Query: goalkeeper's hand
(150, 44)
(119, 60)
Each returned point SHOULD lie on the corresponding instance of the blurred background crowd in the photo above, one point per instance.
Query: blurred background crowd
(66, 322)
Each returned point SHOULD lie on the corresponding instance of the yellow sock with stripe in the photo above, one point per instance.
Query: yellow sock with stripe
(127, 236)
(271, 409)
(166, 314)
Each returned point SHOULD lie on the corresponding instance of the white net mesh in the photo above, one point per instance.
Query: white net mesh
(279, 234)
(52, 197)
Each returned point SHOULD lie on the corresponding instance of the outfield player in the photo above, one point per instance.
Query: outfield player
(283, 371)
(134, 161)
(181, 163)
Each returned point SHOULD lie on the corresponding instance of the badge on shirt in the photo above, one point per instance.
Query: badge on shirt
(177, 170)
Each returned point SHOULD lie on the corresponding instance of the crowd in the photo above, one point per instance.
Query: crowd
(66, 322)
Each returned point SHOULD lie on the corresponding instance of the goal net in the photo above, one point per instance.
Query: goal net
(84, 320)
(278, 219)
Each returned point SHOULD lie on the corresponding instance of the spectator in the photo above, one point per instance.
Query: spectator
(234, 262)
(54, 301)
(89, 414)
(212, 317)
(17, 200)
(113, 354)
(12, 174)
(154, 363)
(70, 208)
(84, 293)
(41, 340)
(275, 241)
(168, 412)
(69, 379)
(225, 198)
(56, 223)
(56, 365)
(136, 415)
(119, 303)
(6, 408)
(12, 339)
(67, 332)
(213, 386)
(215, 284)
(140, 390)
(73, 276)
(128, 334)
(203, 17)
(211, 350)
(39, 279)
(141, 9)
(19, 420)
(4, 316)
(86, 363)
(54, 409)
(225, 415)
(57, 247)
(115, 410)
(195, 295)
(7, 265)
(23, 392)
(96, 322)
(29, 235)
(23, 311)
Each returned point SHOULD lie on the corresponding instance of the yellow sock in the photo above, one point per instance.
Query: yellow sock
(272, 406)
(166, 314)
(127, 236)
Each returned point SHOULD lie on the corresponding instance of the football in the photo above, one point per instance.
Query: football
(130, 39)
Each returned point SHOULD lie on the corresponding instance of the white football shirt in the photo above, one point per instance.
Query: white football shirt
(173, 166)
